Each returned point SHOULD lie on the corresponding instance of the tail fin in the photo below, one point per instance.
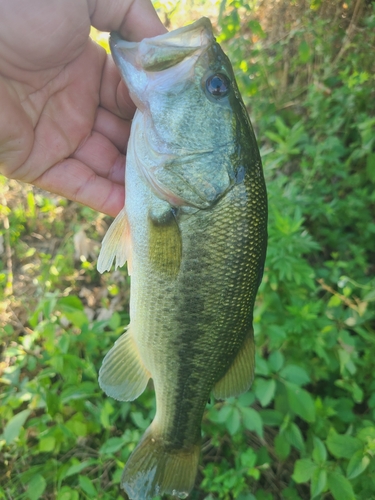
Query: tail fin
(154, 469)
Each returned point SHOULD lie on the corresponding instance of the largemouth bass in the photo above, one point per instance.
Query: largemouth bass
(193, 231)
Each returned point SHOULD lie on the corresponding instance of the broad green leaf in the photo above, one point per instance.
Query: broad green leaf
(78, 467)
(303, 470)
(70, 303)
(318, 482)
(88, 487)
(265, 390)
(340, 487)
(357, 464)
(77, 318)
(304, 51)
(246, 496)
(139, 420)
(294, 436)
(36, 487)
(342, 446)
(282, 446)
(47, 444)
(67, 493)
(319, 453)
(276, 361)
(252, 420)
(272, 418)
(370, 166)
(77, 427)
(83, 390)
(111, 446)
(14, 426)
(234, 421)
(224, 413)
(246, 399)
(300, 402)
(261, 366)
(295, 374)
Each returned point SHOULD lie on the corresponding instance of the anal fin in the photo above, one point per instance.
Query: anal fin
(123, 375)
(116, 244)
(240, 374)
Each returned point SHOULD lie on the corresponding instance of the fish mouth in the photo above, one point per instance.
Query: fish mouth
(163, 51)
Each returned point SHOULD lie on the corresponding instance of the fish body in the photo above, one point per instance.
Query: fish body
(193, 230)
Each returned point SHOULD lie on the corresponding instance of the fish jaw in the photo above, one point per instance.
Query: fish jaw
(142, 64)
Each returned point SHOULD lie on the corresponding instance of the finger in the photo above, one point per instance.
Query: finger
(134, 19)
(114, 95)
(102, 157)
(114, 128)
(77, 182)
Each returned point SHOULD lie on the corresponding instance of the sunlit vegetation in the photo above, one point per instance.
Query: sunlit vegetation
(306, 429)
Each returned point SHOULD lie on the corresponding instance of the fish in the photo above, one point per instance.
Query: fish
(193, 232)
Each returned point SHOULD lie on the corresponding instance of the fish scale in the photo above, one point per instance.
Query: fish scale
(193, 230)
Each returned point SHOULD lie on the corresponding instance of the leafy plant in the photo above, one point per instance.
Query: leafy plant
(306, 429)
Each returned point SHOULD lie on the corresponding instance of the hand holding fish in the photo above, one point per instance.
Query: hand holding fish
(65, 114)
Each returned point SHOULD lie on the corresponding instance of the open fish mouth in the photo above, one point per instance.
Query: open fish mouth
(163, 51)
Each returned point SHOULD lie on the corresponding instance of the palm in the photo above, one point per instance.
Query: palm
(65, 117)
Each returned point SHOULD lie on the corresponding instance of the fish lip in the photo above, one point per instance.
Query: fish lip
(202, 23)
(187, 40)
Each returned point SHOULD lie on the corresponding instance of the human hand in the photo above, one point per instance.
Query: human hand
(64, 113)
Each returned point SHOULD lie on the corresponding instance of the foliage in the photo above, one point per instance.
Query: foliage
(306, 429)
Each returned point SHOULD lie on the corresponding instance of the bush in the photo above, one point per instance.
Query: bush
(306, 429)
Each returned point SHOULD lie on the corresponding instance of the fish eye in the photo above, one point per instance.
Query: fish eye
(218, 85)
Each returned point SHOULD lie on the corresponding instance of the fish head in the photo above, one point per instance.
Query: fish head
(191, 121)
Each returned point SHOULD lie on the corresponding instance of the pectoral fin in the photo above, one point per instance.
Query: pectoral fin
(123, 375)
(116, 244)
(165, 245)
(240, 375)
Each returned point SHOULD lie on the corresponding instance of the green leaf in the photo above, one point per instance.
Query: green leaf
(36, 487)
(70, 303)
(370, 166)
(67, 493)
(295, 374)
(111, 446)
(78, 467)
(13, 428)
(47, 444)
(357, 464)
(300, 402)
(233, 422)
(318, 482)
(265, 390)
(304, 51)
(294, 436)
(342, 446)
(303, 470)
(282, 446)
(272, 418)
(87, 485)
(319, 453)
(77, 318)
(83, 390)
(276, 361)
(139, 420)
(252, 420)
(340, 487)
